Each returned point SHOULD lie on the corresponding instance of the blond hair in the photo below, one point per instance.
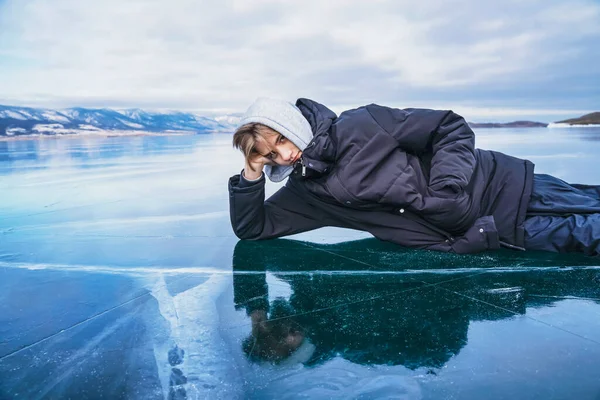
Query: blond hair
(246, 136)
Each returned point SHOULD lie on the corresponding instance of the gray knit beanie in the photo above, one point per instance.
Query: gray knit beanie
(285, 118)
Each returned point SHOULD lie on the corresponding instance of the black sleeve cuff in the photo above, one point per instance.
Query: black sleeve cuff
(246, 182)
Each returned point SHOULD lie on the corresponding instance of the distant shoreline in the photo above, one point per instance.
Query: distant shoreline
(103, 135)
(113, 134)
(513, 124)
(559, 125)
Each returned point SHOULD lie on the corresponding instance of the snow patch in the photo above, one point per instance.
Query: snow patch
(47, 127)
(130, 124)
(228, 119)
(13, 114)
(71, 113)
(54, 116)
(15, 131)
(86, 127)
(134, 114)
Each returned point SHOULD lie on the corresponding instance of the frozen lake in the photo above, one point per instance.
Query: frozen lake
(120, 277)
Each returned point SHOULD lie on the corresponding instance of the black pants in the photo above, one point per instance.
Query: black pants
(562, 217)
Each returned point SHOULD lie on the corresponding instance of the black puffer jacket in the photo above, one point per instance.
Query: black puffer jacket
(411, 176)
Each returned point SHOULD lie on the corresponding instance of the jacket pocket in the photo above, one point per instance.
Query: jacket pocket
(482, 236)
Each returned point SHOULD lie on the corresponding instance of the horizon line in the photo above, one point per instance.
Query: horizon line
(467, 111)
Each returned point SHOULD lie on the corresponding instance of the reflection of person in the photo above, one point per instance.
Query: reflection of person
(277, 338)
(409, 176)
(407, 328)
(375, 319)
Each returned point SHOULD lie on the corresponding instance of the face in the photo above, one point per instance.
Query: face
(275, 341)
(278, 150)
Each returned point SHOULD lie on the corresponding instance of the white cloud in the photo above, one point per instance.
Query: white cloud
(221, 55)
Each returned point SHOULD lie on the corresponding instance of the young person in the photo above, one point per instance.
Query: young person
(409, 176)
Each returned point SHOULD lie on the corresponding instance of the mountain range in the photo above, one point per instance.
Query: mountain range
(24, 121)
(19, 121)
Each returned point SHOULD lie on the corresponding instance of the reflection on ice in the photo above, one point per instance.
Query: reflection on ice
(412, 327)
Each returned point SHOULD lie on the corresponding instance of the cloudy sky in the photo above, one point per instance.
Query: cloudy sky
(494, 60)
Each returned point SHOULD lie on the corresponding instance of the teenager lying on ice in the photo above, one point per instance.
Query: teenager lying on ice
(410, 176)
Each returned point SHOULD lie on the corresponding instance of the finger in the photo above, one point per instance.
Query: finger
(261, 160)
(256, 159)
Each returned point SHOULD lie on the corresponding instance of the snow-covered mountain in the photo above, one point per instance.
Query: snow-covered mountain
(31, 121)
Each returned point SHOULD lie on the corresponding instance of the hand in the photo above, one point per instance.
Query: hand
(259, 322)
(253, 168)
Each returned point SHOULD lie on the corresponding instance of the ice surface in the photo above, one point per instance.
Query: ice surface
(120, 278)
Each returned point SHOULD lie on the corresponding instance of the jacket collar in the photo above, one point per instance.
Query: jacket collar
(319, 156)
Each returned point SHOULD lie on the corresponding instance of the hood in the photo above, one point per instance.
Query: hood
(285, 118)
(320, 154)
(318, 116)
